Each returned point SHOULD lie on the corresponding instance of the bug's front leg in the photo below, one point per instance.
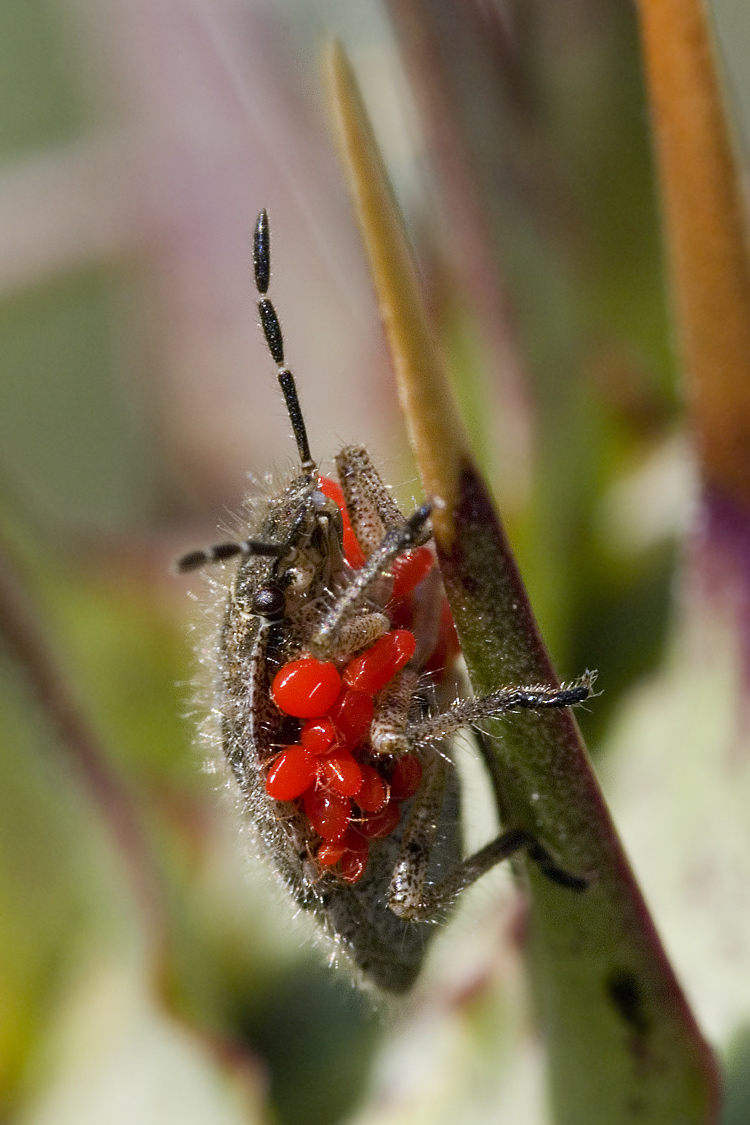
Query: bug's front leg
(383, 534)
(354, 597)
(408, 895)
(372, 509)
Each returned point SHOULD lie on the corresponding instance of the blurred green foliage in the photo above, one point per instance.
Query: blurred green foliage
(41, 103)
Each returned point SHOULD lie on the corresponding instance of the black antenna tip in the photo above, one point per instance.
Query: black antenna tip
(262, 252)
(191, 561)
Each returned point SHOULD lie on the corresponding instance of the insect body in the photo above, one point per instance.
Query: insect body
(329, 622)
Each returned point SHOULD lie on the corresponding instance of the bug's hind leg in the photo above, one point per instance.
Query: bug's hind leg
(408, 895)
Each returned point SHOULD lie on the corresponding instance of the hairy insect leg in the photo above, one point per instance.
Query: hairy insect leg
(354, 597)
(360, 632)
(372, 510)
(388, 729)
(392, 733)
(410, 898)
(469, 712)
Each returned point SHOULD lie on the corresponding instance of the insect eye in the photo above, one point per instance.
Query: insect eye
(269, 602)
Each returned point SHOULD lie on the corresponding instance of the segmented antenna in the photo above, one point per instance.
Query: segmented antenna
(220, 552)
(272, 332)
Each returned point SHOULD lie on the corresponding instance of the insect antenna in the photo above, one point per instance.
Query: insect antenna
(275, 341)
(220, 552)
(272, 332)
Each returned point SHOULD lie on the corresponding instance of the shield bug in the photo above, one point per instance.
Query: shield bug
(333, 640)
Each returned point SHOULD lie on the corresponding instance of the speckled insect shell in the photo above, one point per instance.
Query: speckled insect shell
(386, 949)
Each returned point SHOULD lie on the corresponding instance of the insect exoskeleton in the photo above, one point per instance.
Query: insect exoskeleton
(334, 641)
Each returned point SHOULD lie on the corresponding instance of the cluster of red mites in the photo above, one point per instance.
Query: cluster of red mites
(348, 796)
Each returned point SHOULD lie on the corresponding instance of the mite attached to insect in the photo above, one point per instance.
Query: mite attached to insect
(332, 642)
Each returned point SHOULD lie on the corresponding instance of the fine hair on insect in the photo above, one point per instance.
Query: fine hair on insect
(333, 705)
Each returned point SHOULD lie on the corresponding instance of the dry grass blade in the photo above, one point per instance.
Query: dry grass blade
(706, 222)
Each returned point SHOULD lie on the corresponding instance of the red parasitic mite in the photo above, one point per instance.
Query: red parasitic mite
(336, 737)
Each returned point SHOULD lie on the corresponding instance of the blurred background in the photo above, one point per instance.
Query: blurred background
(148, 971)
